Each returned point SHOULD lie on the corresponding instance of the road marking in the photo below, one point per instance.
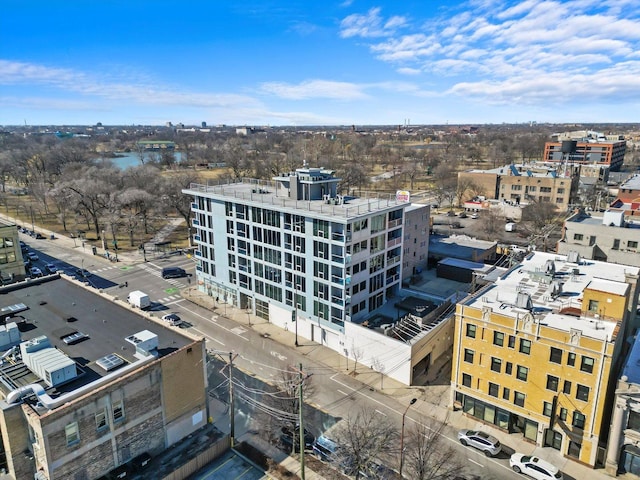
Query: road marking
(279, 356)
(341, 392)
(381, 413)
(208, 337)
(175, 301)
(216, 324)
(473, 461)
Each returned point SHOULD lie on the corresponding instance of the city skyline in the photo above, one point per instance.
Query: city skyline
(307, 63)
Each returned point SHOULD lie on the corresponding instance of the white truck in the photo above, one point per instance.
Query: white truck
(138, 299)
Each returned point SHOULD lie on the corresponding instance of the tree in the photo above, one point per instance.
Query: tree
(428, 455)
(172, 196)
(539, 221)
(365, 438)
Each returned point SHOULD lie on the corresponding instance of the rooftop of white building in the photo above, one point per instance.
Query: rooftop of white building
(631, 183)
(556, 299)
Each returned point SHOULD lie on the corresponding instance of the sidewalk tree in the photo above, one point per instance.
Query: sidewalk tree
(429, 455)
(365, 439)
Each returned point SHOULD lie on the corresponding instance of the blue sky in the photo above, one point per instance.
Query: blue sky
(307, 62)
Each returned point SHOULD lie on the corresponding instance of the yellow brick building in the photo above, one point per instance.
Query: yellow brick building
(537, 353)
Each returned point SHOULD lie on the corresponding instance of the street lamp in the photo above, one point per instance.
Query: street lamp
(413, 400)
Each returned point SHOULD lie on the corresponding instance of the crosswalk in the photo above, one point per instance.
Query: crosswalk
(170, 299)
(176, 282)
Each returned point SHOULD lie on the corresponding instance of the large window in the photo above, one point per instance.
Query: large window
(471, 330)
(468, 355)
(556, 355)
(494, 389)
(522, 373)
(72, 433)
(593, 306)
(587, 364)
(496, 364)
(547, 408)
(566, 389)
(466, 380)
(101, 419)
(506, 393)
(582, 393)
(518, 398)
(552, 383)
(525, 346)
(498, 338)
(578, 419)
(574, 449)
(118, 410)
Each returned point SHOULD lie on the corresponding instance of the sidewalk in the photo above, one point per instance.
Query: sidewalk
(433, 399)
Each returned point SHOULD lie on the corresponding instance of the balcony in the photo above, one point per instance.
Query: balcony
(337, 279)
(392, 260)
(393, 278)
(194, 206)
(195, 222)
(337, 258)
(338, 236)
(394, 241)
(394, 223)
(337, 301)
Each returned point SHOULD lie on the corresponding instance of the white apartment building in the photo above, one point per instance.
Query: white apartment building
(297, 254)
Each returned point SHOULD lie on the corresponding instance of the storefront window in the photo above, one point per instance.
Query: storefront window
(531, 430)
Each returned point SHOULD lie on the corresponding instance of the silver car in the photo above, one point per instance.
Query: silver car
(480, 440)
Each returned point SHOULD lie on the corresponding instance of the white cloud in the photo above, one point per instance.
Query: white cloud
(314, 89)
(518, 51)
(369, 25)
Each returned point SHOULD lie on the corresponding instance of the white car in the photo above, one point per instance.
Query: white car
(173, 319)
(480, 440)
(534, 467)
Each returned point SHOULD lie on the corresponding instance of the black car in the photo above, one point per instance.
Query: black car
(173, 272)
(288, 434)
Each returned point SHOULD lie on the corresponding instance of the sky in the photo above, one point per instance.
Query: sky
(310, 62)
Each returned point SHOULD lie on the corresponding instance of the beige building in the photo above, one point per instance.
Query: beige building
(11, 261)
(416, 239)
(537, 353)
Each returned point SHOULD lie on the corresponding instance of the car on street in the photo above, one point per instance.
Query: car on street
(172, 319)
(325, 448)
(474, 216)
(534, 467)
(50, 268)
(488, 444)
(290, 436)
(33, 256)
(82, 272)
(462, 215)
(35, 272)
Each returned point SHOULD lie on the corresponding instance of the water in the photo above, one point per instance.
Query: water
(125, 160)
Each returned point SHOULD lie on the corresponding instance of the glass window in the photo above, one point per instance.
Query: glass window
(547, 407)
(553, 439)
(496, 364)
(518, 398)
(468, 355)
(593, 305)
(632, 244)
(471, 330)
(587, 364)
(571, 359)
(634, 421)
(563, 414)
(101, 419)
(118, 410)
(552, 383)
(567, 387)
(525, 346)
(494, 389)
(506, 393)
(508, 368)
(498, 338)
(556, 355)
(72, 433)
(582, 393)
(574, 449)
(578, 419)
(522, 373)
(466, 380)
(512, 341)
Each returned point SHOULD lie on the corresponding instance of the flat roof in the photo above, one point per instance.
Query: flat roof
(59, 307)
(268, 194)
(548, 308)
(632, 183)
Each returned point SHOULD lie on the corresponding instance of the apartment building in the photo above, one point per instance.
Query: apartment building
(628, 198)
(316, 263)
(608, 237)
(599, 151)
(11, 261)
(89, 386)
(537, 353)
(416, 240)
(524, 184)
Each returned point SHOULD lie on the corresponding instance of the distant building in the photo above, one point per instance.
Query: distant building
(537, 353)
(11, 260)
(628, 198)
(81, 405)
(607, 237)
(156, 145)
(599, 151)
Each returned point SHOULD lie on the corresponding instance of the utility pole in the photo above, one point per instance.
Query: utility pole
(232, 410)
(300, 420)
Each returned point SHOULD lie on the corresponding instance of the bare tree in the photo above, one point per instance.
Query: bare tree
(428, 455)
(356, 353)
(365, 438)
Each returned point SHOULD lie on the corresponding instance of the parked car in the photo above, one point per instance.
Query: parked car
(474, 216)
(451, 213)
(462, 215)
(480, 440)
(50, 268)
(33, 256)
(173, 272)
(35, 272)
(534, 467)
(290, 436)
(82, 272)
(325, 448)
(172, 318)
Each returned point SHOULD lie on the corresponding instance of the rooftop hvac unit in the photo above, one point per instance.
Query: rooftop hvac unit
(573, 257)
(550, 267)
(523, 300)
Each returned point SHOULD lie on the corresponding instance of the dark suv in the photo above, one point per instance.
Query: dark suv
(173, 272)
